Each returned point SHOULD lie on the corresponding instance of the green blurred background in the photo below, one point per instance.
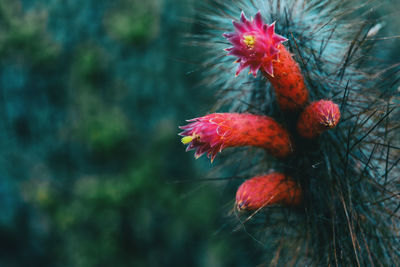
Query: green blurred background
(91, 94)
(92, 170)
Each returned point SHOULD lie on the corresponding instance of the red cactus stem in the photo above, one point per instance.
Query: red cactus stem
(288, 82)
(266, 190)
(257, 46)
(318, 117)
(216, 131)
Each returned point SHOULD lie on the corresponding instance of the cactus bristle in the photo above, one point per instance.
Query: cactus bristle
(344, 151)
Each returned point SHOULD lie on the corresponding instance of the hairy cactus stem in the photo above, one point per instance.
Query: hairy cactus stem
(318, 117)
(212, 133)
(265, 190)
(257, 46)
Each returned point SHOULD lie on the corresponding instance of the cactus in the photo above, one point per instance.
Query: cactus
(348, 176)
(318, 117)
(262, 191)
(216, 131)
(256, 45)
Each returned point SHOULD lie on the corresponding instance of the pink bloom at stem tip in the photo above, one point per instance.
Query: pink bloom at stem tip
(255, 44)
(214, 132)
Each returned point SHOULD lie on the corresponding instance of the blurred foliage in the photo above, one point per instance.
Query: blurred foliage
(91, 93)
(134, 21)
(24, 34)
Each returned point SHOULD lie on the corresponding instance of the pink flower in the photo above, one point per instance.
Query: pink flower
(255, 44)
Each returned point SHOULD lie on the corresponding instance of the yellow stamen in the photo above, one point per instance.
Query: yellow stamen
(187, 139)
(250, 41)
(329, 122)
(239, 205)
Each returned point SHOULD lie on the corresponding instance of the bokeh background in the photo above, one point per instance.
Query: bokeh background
(92, 172)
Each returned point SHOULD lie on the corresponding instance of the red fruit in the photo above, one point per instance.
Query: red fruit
(216, 131)
(267, 190)
(318, 117)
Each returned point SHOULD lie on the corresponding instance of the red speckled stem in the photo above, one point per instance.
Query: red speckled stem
(288, 82)
(318, 117)
(266, 190)
(216, 131)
